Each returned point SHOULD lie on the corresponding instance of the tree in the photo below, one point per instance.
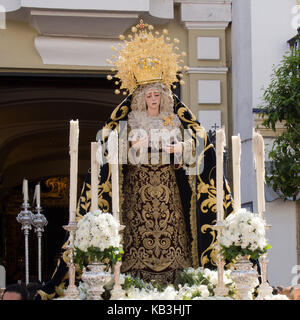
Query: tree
(281, 103)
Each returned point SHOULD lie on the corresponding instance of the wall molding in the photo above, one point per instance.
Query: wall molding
(192, 25)
(207, 70)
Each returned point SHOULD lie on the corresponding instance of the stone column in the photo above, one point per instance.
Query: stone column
(208, 26)
(242, 94)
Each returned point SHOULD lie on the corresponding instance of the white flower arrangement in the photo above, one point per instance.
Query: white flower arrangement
(276, 297)
(169, 293)
(243, 234)
(97, 238)
(196, 284)
(201, 282)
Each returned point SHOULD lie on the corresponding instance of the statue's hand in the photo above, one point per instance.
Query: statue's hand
(173, 148)
(140, 143)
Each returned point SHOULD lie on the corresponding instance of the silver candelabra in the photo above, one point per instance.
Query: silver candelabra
(39, 221)
(264, 288)
(72, 292)
(25, 217)
(220, 289)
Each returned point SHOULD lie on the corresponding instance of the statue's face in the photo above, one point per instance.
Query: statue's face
(152, 97)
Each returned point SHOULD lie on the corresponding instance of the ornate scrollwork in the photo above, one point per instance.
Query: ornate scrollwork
(155, 234)
(205, 256)
(58, 187)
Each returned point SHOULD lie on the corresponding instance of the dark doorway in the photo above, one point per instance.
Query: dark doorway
(35, 111)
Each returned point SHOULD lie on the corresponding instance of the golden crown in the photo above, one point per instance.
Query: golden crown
(145, 58)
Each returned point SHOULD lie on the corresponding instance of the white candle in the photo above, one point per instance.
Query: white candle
(220, 143)
(25, 190)
(94, 177)
(236, 160)
(74, 136)
(37, 195)
(113, 154)
(259, 157)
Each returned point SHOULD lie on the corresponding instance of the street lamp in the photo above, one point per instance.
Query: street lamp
(295, 41)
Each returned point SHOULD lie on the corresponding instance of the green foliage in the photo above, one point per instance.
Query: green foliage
(133, 282)
(109, 255)
(190, 279)
(140, 284)
(230, 253)
(281, 103)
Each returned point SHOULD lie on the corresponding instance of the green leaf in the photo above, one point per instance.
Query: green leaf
(281, 101)
(110, 255)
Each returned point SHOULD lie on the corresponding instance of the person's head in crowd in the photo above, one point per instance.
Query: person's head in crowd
(33, 287)
(15, 292)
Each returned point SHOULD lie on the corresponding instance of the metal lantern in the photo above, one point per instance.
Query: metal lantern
(295, 41)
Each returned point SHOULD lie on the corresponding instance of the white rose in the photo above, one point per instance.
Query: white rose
(246, 228)
(204, 291)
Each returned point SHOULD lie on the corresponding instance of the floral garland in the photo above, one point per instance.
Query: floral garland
(193, 284)
(97, 239)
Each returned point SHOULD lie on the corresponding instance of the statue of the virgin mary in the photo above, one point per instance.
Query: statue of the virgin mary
(167, 185)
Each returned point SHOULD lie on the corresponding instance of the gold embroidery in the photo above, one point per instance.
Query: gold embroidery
(205, 257)
(155, 236)
(62, 286)
(123, 109)
(121, 200)
(154, 242)
(192, 124)
(193, 222)
(211, 192)
(45, 296)
(169, 120)
(181, 112)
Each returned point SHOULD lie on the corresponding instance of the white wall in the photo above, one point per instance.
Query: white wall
(271, 24)
(242, 94)
(271, 27)
(283, 238)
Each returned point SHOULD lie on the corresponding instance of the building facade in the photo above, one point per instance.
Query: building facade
(53, 69)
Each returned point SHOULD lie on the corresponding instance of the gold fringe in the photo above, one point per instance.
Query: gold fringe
(121, 195)
(45, 296)
(193, 221)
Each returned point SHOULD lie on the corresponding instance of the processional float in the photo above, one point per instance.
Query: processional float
(96, 161)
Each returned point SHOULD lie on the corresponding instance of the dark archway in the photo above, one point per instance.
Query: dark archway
(35, 110)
